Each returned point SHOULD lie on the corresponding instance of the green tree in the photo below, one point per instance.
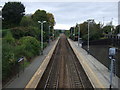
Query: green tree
(12, 13)
(95, 31)
(27, 21)
(106, 29)
(117, 30)
(40, 15)
(51, 19)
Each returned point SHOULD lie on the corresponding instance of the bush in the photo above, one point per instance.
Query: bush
(7, 58)
(27, 21)
(26, 46)
(9, 38)
(19, 32)
(4, 32)
(30, 46)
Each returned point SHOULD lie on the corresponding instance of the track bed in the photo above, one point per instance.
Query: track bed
(64, 69)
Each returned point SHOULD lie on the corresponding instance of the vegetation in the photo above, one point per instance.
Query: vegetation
(96, 32)
(12, 14)
(21, 36)
(19, 32)
(30, 46)
(27, 21)
(117, 30)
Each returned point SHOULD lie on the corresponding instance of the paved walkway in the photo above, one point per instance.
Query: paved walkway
(96, 71)
(24, 77)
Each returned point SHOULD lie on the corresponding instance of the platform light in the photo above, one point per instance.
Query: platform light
(89, 21)
(41, 22)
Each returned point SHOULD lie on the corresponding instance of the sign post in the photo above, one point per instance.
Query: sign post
(112, 52)
(19, 60)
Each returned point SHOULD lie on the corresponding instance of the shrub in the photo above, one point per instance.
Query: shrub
(19, 32)
(4, 32)
(30, 46)
(7, 59)
(9, 38)
(27, 21)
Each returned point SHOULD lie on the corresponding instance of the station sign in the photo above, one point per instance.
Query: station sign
(20, 59)
(112, 51)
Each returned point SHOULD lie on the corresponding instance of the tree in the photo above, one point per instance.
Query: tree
(51, 19)
(107, 29)
(117, 30)
(95, 31)
(40, 15)
(12, 13)
(27, 21)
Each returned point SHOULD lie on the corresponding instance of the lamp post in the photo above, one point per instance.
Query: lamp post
(41, 35)
(78, 34)
(49, 34)
(111, 26)
(74, 31)
(89, 21)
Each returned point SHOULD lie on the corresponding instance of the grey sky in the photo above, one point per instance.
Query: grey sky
(67, 14)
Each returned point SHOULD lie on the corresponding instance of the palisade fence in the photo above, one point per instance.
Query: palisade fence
(99, 49)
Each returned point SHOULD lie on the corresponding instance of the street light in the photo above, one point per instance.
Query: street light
(111, 25)
(74, 31)
(89, 21)
(49, 34)
(41, 35)
(78, 34)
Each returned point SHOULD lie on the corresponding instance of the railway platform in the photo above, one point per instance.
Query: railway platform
(97, 73)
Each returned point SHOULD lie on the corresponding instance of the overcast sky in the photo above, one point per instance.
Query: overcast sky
(67, 14)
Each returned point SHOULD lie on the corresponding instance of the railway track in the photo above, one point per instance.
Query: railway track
(64, 69)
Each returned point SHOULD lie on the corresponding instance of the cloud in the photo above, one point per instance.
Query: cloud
(71, 13)
(67, 14)
(62, 26)
(63, 0)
